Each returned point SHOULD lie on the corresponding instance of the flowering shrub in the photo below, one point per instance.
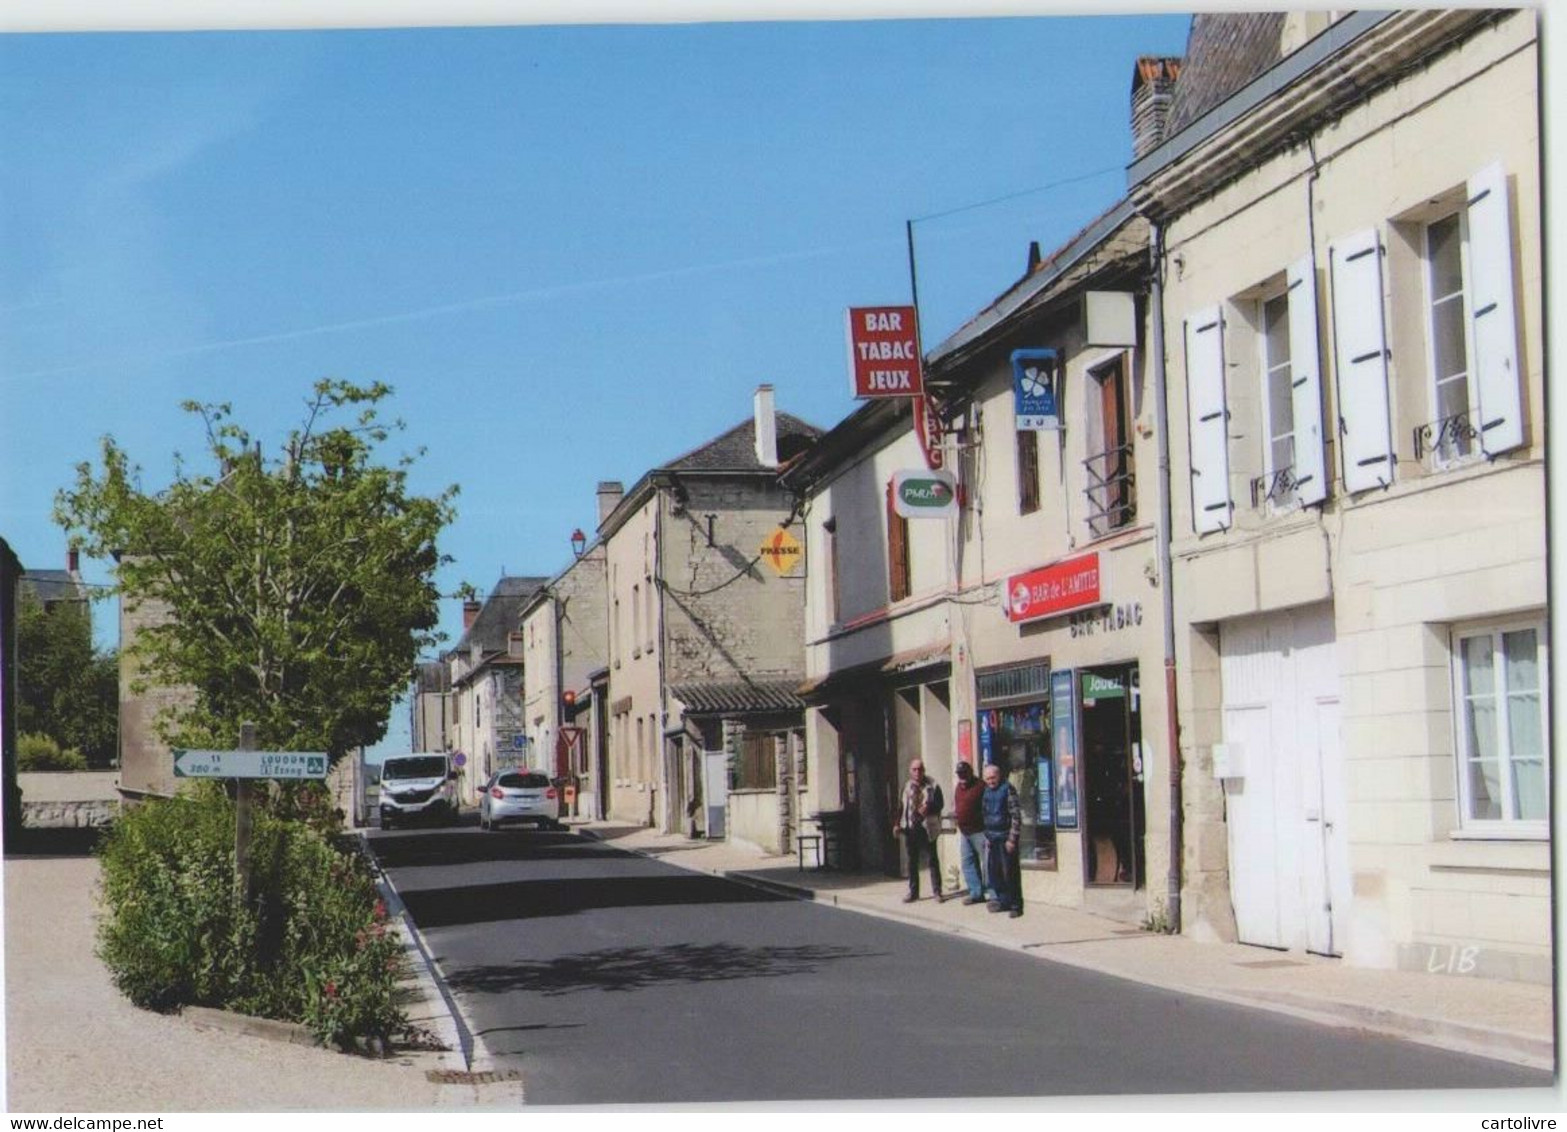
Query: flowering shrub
(313, 946)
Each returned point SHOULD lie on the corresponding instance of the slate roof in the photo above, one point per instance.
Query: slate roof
(735, 450)
(54, 585)
(498, 616)
(739, 697)
(1224, 52)
(431, 676)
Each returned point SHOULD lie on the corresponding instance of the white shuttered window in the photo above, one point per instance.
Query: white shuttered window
(1306, 383)
(1208, 421)
(1493, 319)
(1360, 362)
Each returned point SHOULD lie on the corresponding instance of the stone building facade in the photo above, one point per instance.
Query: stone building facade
(704, 637)
(1348, 210)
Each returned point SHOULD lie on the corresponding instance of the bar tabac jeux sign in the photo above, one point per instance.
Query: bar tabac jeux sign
(884, 352)
(1058, 588)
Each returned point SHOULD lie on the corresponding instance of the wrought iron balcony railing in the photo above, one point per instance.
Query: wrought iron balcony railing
(1111, 491)
(1447, 441)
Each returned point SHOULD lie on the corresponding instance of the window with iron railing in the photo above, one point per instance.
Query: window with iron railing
(1110, 481)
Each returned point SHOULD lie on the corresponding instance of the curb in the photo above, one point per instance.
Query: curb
(461, 1046)
(269, 1028)
(1481, 1041)
(1458, 1037)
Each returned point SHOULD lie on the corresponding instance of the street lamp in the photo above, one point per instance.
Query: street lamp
(579, 542)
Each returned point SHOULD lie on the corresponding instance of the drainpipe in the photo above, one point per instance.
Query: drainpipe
(1167, 595)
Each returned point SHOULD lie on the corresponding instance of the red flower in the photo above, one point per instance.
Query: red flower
(380, 910)
(331, 988)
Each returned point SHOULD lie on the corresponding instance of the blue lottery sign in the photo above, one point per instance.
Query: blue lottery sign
(1036, 384)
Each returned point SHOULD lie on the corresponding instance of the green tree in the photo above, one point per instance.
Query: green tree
(66, 689)
(298, 590)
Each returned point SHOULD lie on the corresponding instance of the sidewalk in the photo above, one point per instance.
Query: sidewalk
(1505, 1020)
(73, 1043)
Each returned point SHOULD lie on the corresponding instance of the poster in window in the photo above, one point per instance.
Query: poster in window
(1063, 718)
(1046, 815)
(987, 738)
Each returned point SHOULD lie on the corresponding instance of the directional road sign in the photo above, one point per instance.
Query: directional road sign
(250, 764)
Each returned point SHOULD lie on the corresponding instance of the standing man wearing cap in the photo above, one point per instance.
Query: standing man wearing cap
(1003, 827)
(919, 821)
(969, 814)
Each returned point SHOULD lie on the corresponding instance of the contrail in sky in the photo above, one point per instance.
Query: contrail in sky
(511, 297)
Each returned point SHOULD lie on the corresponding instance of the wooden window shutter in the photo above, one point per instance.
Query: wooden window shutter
(1208, 421)
(1027, 471)
(1494, 319)
(1311, 479)
(897, 552)
(1360, 362)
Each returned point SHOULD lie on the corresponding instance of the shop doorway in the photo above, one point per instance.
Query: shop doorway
(1114, 816)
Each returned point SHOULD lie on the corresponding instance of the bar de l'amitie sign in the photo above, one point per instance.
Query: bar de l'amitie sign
(884, 352)
(1061, 587)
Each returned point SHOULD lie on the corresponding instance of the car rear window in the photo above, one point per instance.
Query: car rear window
(519, 779)
(427, 766)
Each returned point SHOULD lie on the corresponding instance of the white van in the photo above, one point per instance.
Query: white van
(418, 786)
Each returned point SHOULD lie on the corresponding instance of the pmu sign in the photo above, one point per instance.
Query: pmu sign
(884, 352)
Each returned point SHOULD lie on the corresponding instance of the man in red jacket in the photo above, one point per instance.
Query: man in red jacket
(968, 811)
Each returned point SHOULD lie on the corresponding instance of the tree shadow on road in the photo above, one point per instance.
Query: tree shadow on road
(530, 899)
(636, 968)
(462, 846)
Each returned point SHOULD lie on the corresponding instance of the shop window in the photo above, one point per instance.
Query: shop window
(756, 766)
(1110, 482)
(1500, 713)
(1470, 327)
(1027, 471)
(898, 586)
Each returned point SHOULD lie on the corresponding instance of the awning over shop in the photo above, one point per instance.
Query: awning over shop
(734, 698)
(921, 663)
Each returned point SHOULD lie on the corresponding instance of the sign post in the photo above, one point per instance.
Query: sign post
(244, 765)
(243, 820)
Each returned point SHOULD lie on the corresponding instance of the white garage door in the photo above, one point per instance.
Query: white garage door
(1285, 810)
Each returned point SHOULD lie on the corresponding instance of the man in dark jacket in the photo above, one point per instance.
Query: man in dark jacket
(919, 821)
(969, 814)
(1003, 827)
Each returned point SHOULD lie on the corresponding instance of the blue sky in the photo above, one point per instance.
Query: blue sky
(573, 251)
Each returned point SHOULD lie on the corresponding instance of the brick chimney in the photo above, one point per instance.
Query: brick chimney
(766, 427)
(1153, 85)
(73, 561)
(609, 495)
(470, 613)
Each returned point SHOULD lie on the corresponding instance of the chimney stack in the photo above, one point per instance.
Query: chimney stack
(1153, 86)
(73, 561)
(609, 494)
(470, 613)
(766, 428)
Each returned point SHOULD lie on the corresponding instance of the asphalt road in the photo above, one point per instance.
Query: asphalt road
(607, 977)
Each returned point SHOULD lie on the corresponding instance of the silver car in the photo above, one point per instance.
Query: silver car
(518, 796)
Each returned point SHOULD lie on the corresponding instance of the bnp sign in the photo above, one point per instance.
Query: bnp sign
(924, 495)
